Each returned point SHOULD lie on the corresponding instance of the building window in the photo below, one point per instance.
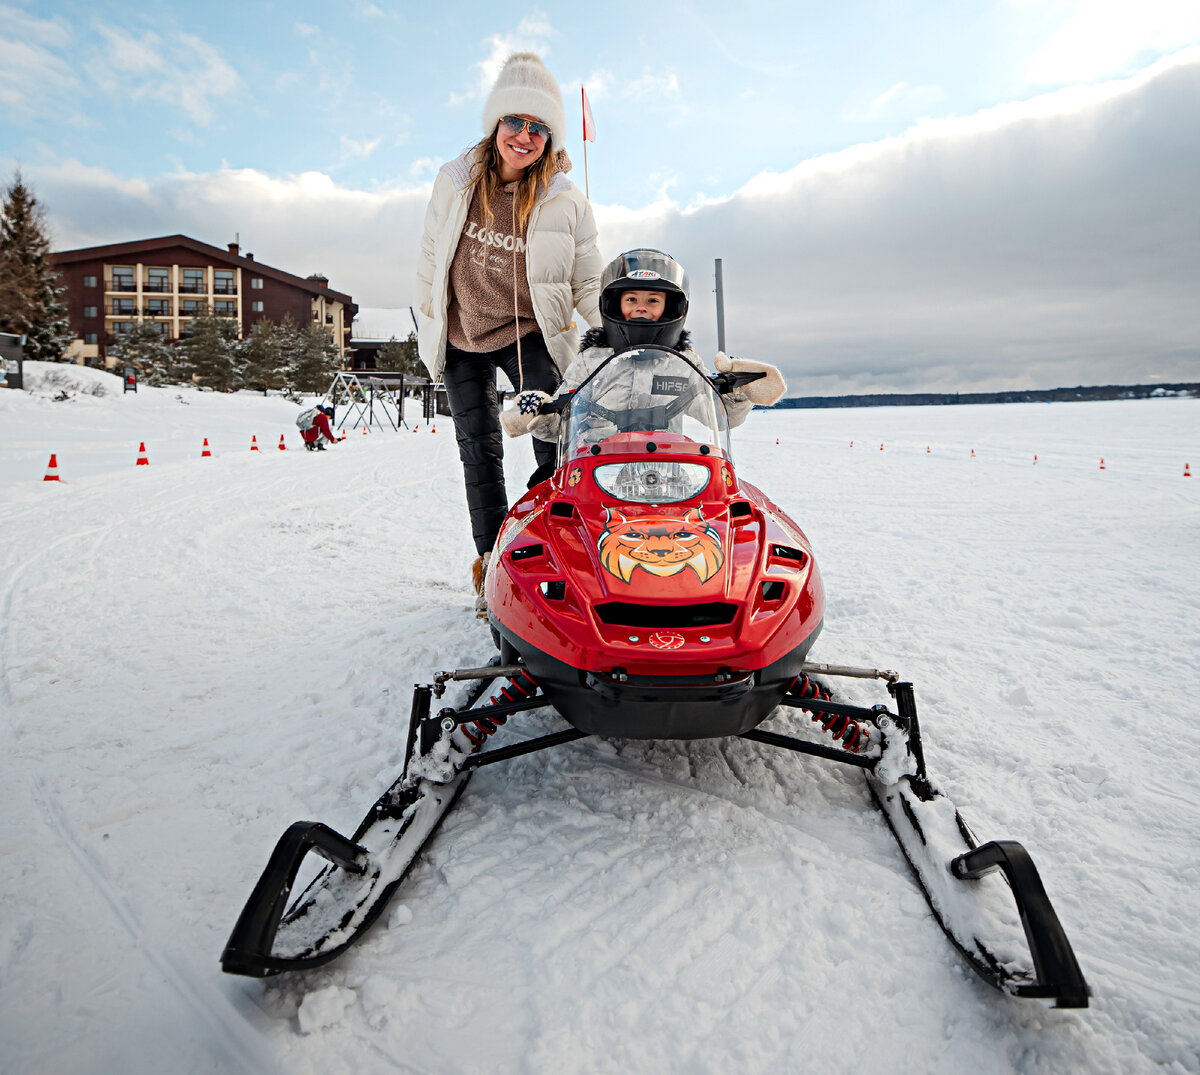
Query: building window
(256, 283)
(164, 329)
(89, 281)
(122, 278)
(157, 280)
(158, 307)
(193, 282)
(120, 328)
(122, 307)
(256, 307)
(91, 337)
(91, 311)
(223, 282)
(223, 308)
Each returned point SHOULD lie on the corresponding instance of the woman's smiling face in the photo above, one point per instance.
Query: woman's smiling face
(518, 151)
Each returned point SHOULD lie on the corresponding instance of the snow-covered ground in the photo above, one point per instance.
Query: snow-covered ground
(199, 652)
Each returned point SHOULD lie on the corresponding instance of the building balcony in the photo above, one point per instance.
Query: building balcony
(224, 289)
(187, 288)
(159, 286)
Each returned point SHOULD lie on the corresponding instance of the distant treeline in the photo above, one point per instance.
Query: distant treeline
(1047, 395)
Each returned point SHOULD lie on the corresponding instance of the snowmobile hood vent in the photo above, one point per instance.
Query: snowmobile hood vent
(627, 614)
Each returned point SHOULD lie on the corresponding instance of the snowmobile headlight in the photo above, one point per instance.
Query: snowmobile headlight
(652, 481)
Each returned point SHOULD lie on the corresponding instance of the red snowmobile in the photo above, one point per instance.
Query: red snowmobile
(646, 592)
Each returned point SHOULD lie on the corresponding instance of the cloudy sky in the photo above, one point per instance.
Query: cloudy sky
(905, 196)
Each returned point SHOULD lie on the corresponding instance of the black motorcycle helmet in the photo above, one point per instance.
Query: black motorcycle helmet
(643, 270)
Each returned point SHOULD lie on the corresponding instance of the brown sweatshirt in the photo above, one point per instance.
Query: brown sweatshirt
(480, 317)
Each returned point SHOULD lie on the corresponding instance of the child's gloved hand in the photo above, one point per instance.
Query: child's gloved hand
(766, 390)
(524, 410)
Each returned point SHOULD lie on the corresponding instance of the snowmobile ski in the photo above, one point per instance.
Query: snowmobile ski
(347, 896)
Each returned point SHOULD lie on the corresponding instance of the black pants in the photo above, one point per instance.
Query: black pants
(470, 379)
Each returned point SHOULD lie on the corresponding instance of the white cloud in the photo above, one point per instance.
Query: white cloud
(533, 34)
(358, 148)
(307, 29)
(37, 79)
(184, 73)
(1102, 38)
(1044, 243)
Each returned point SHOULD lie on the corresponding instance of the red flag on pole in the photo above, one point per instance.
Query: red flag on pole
(589, 124)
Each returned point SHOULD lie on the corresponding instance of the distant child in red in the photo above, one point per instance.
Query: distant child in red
(319, 432)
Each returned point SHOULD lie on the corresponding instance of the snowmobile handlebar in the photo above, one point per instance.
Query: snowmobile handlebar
(725, 383)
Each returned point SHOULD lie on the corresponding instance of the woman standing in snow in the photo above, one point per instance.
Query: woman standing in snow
(507, 255)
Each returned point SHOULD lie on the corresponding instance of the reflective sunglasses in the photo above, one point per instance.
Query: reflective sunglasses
(515, 125)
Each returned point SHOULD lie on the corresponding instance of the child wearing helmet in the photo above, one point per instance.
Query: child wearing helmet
(643, 302)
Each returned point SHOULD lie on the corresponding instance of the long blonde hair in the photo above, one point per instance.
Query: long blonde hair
(534, 181)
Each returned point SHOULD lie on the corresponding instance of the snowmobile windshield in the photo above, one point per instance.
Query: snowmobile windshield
(644, 389)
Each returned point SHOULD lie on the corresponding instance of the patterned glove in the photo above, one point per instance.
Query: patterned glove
(524, 410)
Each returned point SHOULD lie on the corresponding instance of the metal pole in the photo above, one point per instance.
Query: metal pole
(720, 309)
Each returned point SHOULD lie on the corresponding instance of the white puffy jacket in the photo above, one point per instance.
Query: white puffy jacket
(562, 263)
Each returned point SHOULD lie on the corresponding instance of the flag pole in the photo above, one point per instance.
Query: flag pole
(587, 189)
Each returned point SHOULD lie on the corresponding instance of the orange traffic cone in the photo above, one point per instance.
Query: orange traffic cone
(342, 437)
(52, 469)
(206, 453)
(881, 447)
(364, 431)
(1035, 460)
(433, 430)
(282, 443)
(143, 460)
(972, 453)
(1187, 472)
(852, 444)
(1102, 466)
(927, 451)
(253, 443)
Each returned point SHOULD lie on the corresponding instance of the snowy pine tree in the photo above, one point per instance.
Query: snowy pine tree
(317, 360)
(209, 351)
(144, 348)
(261, 358)
(401, 357)
(30, 294)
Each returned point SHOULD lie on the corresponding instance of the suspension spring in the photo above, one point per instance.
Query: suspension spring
(852, 735)
(520, 687)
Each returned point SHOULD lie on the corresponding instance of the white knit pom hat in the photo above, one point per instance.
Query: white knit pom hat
(526, 86)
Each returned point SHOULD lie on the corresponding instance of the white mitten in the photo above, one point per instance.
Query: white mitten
(763, 392)
(524, 410)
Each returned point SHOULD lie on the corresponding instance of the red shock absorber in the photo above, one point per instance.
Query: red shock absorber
(843, 728)
(519, 688)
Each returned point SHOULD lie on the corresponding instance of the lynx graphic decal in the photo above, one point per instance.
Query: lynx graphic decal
(661, 544)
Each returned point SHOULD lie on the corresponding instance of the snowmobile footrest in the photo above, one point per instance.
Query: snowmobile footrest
(254, 933)
(1058, 973)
